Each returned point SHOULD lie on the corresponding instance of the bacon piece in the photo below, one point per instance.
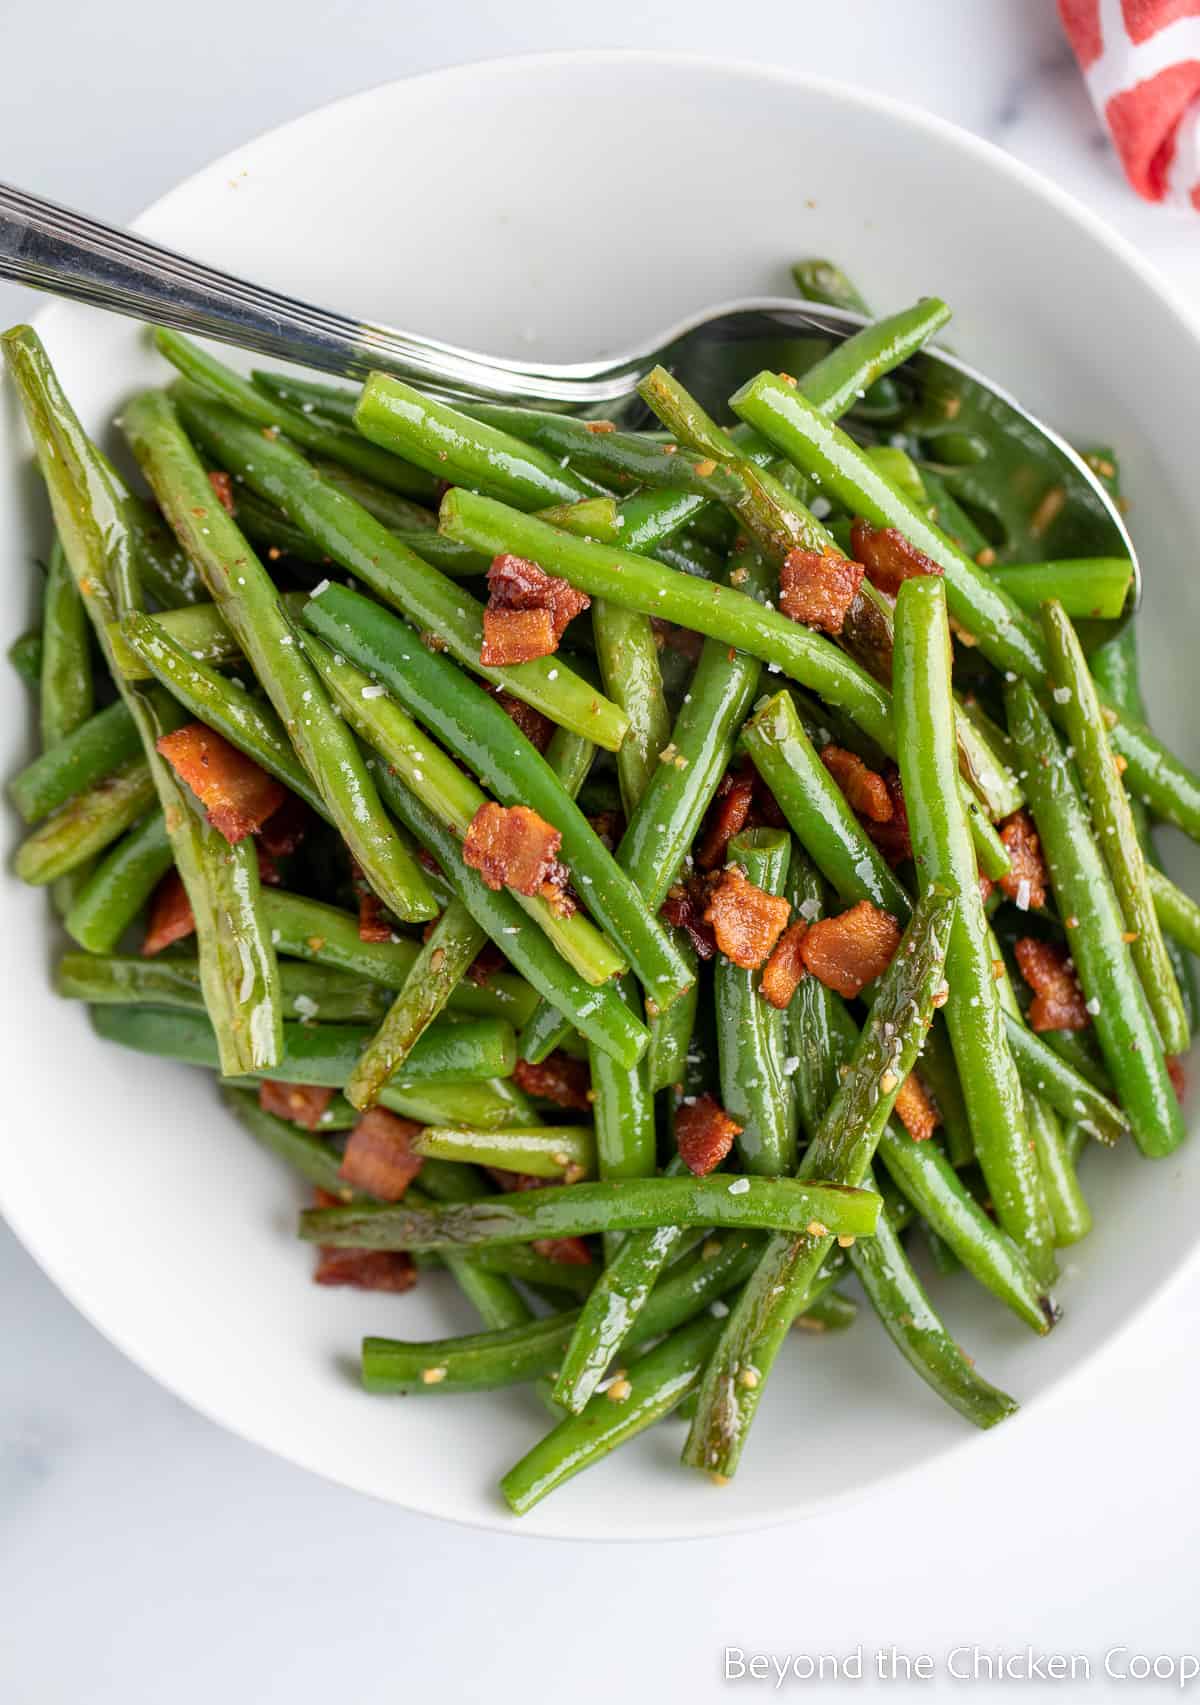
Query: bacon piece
(727, 817)
(557, 1078)
(892, 838)
(818, 588)
(285, 829)
(1048, 968)
(300, 1103)
(516, 636)
(536, 728)
(1174, 1067)
(704, 1133)
(784, 970)
(850, 950)
(511, 846)
(686, 641)
(746, 920)
(170, 915)
(1027, 883)
(683, 908)
(372, 922)
(485, 964)
(236, 793)
(379, 1156)
(570, 1251)
(365, 1269)
(888, 557)
(223, 486)
(866, 792)
(914, 1109)
(986, 887)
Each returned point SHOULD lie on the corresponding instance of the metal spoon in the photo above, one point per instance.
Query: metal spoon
(51, 248)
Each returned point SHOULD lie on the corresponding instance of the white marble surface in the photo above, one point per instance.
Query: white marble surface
(147, 1555)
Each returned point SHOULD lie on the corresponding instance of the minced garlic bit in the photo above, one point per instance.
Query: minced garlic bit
(738, 575)
(710, 1250)
(986, 557)
(619, 1390)
(1047, 510)
(845, 1242)
(718, 1479)
(432, 1376)
(888, 1082)
(315, 943)
(704, 468)
(600, 426)
(816, 1229)
(997, 970)
(1129, 937)
(749, 1378)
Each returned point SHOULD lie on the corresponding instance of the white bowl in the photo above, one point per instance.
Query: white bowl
(563, 206)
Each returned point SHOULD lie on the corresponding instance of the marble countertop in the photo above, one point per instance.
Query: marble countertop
(147, 1555)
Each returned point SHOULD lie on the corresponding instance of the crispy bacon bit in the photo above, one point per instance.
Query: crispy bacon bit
(784, 970)
(915, 1110)
(517, 587)
(511, 846)
(686, 641)
(557, 1078)
(236, 793)
(892, 838)
(866, 792)
(727, 817)
(1175, 1072)
(1027, 882)
(516, 636)
(818, 587)
(379, 1156)
(366, 1269)
(683, 908)
(223, 486)
(372, 920)
(485, 964)
(888, 557)
(704, 1133)
(285, 829)
(536, 728)
(1048, 968)
(608, 826)
(746, 920)
(301, 1103)
(850, 950)
(986, 887)
(170, 915)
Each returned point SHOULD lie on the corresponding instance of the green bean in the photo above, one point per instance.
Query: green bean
(498, 1302)
(598, 1012)
(309, 929)
(25, 654)
(844, 1146)
(823, 281)
(940, 1077)
(97, 523)
(1114, 826)
(1177, 912)
(632, 679)
(541, 1151)
(910, 1321)
(521, 1261)
(334, 403)
(1121, 1015)
(1071, 1214)
(433, 604)
(574, 1210)
(478, 731)
(67, 691)
(449, 445)
(266, 526)
(1059, 1078)
(472, 1051)
(1006, 636)
(617, 459)
(199, 629)
(812, 1054)
(270, 415)
(308, 1154)
(750, 1046)
(671, 1031)
(445, 958)
(398, 513)
(817, 810)
(75, 760)
(1085, 586)
(420, 765)
(86, 824)
(942, 850)
(622, 1106)
(239, 583)
(119, 886)
(308, 991)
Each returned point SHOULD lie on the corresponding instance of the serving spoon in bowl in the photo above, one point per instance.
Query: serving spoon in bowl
(68, 254)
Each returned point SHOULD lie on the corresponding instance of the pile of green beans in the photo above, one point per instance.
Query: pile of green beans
(543, 1063)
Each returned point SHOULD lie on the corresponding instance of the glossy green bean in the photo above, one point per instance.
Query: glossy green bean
(671, 1031)
(812, 1055)
(1113, 824)
(66, 687)
(25, 654)
(86, 824)
(750, 1032)
(304, 1151)
(1117, 1002)
(198, 629)
(364, 547)
(270, 415)
(844, 1145)
(940, 1077)
(911, 1322)
(1094, 587)
(75, 760)
(618, 459)
(1177, 912)
(1070, 1212)
(565, 1152)
(308, 991)
(629, 669)
(942, 851)
(478, 731)
(120, 885)
(334, 403)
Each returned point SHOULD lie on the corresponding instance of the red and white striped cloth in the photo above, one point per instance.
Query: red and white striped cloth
(1141, 60)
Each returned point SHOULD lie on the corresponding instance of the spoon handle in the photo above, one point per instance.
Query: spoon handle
(52, 248)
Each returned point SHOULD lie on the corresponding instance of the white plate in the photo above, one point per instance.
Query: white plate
(563, 206)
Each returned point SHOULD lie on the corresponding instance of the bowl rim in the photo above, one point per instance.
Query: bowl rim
(706, 1525)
